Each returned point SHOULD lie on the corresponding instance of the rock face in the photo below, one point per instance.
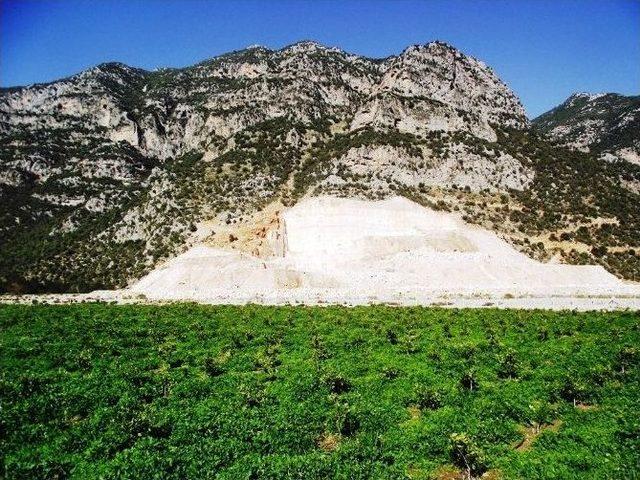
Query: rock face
(110, 171)
(607, 124)
(434, 87)
(165, 113)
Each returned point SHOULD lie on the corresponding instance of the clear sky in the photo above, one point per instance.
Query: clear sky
(543, 49)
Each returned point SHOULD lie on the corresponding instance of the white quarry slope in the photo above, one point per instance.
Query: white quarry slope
(356, 251)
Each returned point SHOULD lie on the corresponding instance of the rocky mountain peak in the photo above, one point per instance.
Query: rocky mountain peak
(303, 81)
(603, 123)
(440, 73)
(586, 96)
(117, 167)
(307, 46)
(113, 67)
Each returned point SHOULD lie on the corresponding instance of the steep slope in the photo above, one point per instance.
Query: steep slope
(607, 124)
(108, 172)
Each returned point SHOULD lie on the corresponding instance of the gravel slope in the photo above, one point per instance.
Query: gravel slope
(393, 251)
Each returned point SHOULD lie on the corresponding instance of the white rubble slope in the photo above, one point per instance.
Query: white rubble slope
(356, 251)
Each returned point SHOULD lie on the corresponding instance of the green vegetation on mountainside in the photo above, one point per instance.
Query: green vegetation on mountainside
(578, 207)
(610, 122)
(578, 198)
(186, 391)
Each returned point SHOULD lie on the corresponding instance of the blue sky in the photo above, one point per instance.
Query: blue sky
(544, 50)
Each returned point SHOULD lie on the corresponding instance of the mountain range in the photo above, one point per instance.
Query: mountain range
(110, 172)
(606, 124)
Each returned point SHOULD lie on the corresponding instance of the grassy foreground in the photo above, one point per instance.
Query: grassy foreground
(186, 391)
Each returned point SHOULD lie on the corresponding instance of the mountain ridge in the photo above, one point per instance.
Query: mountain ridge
(110, 171)
(307, 42)
(605, 123)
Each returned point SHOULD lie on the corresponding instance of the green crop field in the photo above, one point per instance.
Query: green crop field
(194, 392)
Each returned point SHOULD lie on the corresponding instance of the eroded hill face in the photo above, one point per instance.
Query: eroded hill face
(106, 173)
(358, 251)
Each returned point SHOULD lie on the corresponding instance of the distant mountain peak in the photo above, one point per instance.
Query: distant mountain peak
(307, 46)
(587, 96)
(603, 123)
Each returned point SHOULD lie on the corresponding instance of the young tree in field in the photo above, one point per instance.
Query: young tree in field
(469, 381)
(509, 365)
(541, 413)
(428, 398)
(467, 455)
(626, 358)
(347, 421)
(213, 367)
(573, 390)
